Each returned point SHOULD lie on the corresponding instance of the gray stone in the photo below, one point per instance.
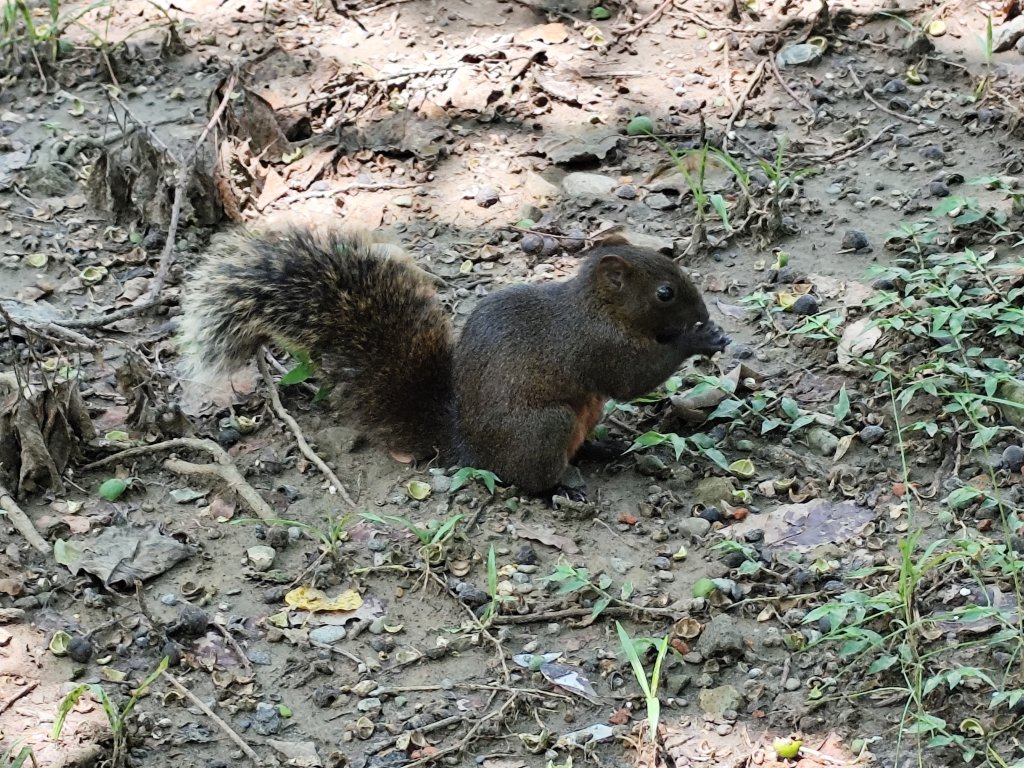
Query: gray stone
(328, 634)
(872, 434)
(711, 491)
(660, 202)
(717, 701)
(643, 240)
(694, 527)
(587, 185)
(721, 637)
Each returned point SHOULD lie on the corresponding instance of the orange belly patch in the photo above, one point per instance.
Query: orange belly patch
(587, 416)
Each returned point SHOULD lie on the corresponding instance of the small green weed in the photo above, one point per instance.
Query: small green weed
(117, 718)
(578, 580)
(633, 647)
(698, 444)
(432, 537)
(24, 754)
(492, 590)
(331, 536)
(464, 475)
(984, 85)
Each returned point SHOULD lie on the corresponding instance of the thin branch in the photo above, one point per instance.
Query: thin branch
(228, 730)
(22, 523)
(300, 439)
(223, 467)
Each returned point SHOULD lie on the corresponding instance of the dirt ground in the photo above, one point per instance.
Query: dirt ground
(491, 140)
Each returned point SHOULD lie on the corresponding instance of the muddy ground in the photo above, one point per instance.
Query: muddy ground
(491, 140)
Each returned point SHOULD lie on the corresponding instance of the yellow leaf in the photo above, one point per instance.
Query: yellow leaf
(309, 599)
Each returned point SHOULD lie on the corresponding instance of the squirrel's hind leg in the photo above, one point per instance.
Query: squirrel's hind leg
(535, 457)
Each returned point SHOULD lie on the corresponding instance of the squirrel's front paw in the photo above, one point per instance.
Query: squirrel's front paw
(575, 494)
(707, 339)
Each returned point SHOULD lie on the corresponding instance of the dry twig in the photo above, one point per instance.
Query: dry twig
(21, 522)
(873, 100)
(300, 439)
(228, 730)
(755, 80)
(647, 20)
(223, 467)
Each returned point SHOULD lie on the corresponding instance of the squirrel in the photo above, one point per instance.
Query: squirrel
(516, 394)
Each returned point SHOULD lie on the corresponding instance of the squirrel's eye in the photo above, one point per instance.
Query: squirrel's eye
(666, 293)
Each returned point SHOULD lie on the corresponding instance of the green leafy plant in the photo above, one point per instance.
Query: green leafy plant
(18, 760)
(464, 475)
(330, 536)
(492, 590)
(116, 717)
(432, 537)
(697, 444)
(649, 684)
(984, 85)
(578, 580)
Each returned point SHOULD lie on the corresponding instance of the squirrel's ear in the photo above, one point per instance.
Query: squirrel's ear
(612, 269)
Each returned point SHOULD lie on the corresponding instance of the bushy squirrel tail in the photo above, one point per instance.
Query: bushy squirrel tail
(367, 316)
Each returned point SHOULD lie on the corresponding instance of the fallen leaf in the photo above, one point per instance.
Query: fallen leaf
(548, 33)
(858, 337)
(309, 599)
(548, 537)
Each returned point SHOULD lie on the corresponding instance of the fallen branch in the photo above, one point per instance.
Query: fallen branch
(622, 612)
(755, 80)
(786, 87)
(867, 95)
(652, 17)
(293, 425)
(21, 522)
(228, 730)
(223, 467)
(229, 474)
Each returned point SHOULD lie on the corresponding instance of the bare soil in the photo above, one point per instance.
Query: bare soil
(444, 125)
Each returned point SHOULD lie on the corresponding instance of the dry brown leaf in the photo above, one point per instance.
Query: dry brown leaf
(548, 537)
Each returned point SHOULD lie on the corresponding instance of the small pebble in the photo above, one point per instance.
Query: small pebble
(531, 243)
(805, 305)
(1013, 458)
(855, 240)
(260, 557)
(884, 284)
(80, 649)
(938, 189)
(525, 555)
(626, 192)
(661, 563)
(872, 434)
(896, 85)
(792, 684)
(486, 197)
(660, 202)
(328, 634)
(933, 152)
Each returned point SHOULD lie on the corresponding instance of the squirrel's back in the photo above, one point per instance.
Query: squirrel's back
(367, 314)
